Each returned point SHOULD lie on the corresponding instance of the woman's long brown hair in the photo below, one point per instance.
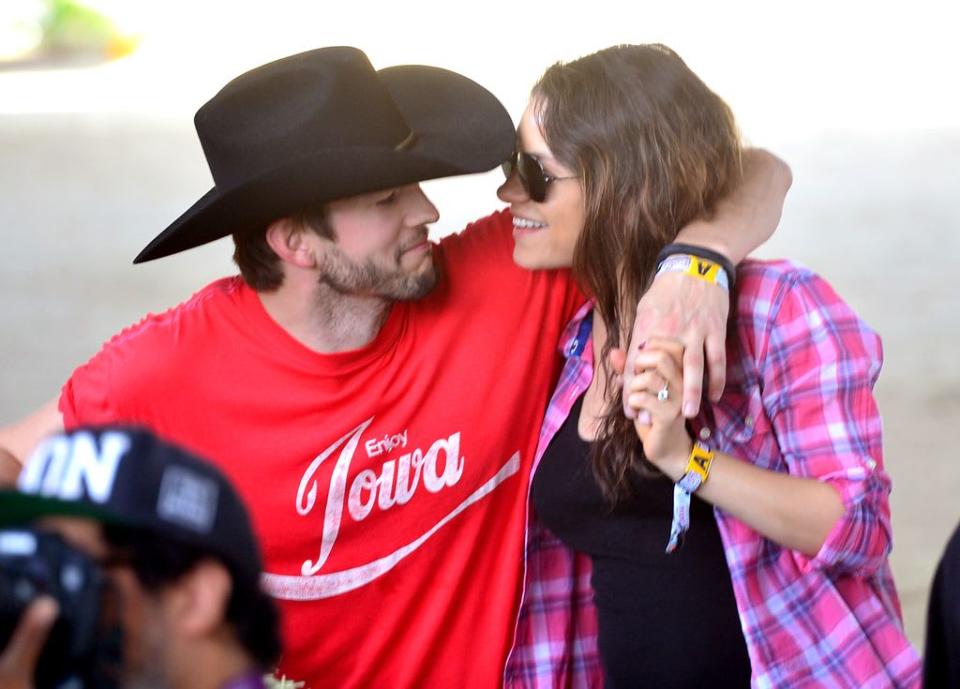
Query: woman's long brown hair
(655, 149)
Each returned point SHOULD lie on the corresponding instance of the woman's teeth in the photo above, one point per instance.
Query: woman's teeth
(528, 224)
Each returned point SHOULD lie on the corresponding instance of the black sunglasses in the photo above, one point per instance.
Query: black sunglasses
(531, 174)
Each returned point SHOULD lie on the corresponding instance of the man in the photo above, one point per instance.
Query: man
(173, 540)
(376, 400)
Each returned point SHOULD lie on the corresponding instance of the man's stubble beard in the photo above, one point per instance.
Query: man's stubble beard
(348, 277)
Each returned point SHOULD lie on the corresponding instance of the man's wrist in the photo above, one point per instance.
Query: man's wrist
(696, 267)
(725, 279)
(708, 234)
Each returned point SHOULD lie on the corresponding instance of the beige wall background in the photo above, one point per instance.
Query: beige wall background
(860, 98)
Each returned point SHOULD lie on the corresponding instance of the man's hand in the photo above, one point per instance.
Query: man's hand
(9, 469)
(18, 661)
(694, 312)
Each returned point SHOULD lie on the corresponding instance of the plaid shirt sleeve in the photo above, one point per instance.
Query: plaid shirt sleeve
(819, 366)
(555, 642)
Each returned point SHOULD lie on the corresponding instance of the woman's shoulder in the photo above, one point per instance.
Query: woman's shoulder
(763, 287)
(780, 300)
(753, 274)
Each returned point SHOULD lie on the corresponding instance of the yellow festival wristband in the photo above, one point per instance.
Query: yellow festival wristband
(694, 476)
(701, 459)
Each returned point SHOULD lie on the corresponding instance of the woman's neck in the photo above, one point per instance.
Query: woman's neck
(595, 396)
(599, 336)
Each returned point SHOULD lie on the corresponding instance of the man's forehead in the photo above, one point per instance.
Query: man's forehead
(80, 532)
(366, 197)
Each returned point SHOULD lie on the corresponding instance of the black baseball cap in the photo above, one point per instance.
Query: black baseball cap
(127, 476)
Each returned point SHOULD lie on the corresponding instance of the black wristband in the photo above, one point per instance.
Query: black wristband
(700, 252)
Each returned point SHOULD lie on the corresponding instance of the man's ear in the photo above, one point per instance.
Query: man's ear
(289, 240)
(199, 599)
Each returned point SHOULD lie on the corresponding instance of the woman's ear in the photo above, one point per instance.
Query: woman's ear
(289, 241)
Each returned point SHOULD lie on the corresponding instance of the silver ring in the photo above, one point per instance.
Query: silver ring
(664, 394)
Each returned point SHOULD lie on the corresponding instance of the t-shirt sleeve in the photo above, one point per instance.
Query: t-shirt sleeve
(104, 389)
(478, 263)
(85, 398)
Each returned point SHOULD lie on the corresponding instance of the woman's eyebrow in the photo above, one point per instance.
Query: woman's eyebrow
(539, 155)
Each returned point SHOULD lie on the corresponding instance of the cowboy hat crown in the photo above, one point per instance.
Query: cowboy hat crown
(324, 125)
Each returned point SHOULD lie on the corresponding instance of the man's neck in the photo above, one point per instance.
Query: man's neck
(325, 320)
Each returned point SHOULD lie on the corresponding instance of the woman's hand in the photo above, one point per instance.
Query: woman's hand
(657, 388)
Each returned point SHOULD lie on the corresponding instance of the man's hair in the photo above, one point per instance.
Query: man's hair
(654, 149)
(259, 264)
(159, 561)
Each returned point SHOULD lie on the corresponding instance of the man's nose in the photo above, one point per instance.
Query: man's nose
(425, 212)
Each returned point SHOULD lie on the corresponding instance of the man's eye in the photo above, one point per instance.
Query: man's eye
(388, 199)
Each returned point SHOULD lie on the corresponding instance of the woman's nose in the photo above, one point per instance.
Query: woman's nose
(512, 190)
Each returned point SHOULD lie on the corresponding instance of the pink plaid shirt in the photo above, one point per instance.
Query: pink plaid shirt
(798, 400)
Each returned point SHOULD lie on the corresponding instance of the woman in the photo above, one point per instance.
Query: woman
(785, 582)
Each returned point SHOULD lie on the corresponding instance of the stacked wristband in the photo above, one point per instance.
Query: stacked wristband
(697, 267)
(694, 476)
(724, 276)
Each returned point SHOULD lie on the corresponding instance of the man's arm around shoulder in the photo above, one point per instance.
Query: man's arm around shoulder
(748, 216)
(18, 439)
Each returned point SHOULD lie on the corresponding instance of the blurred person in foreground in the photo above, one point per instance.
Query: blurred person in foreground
(941, 661)
(136, 565)
(374, 397)
(776, 491)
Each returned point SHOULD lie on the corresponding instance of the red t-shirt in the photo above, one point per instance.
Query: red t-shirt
(387, 484)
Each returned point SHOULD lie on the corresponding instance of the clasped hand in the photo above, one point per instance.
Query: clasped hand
(655, 395)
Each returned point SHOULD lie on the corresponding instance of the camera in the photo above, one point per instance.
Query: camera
(83, 649)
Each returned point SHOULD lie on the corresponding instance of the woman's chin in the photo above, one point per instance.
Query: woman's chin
(527, 258)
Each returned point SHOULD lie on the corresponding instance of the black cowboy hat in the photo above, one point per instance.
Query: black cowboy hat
(324, 125)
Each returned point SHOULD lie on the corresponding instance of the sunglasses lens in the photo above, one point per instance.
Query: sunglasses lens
(530, 172)
(508, 166)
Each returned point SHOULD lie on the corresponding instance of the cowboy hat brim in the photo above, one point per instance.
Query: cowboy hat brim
(458, 128)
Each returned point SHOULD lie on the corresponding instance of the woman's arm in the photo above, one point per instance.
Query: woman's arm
(827, 497)
(795, 512)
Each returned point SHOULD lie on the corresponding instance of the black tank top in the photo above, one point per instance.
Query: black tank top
(666, 621)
